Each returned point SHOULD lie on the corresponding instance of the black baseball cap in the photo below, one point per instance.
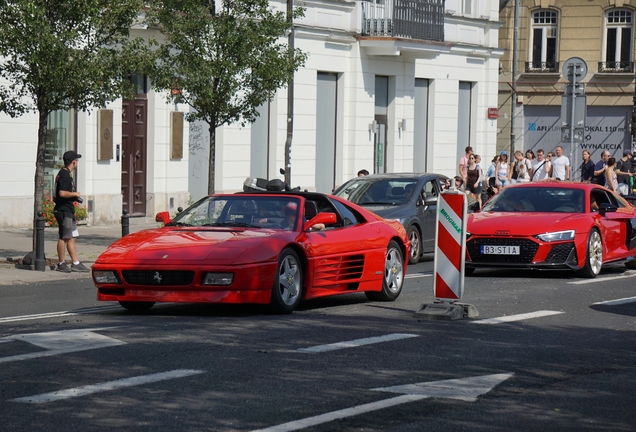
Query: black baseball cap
(70, 156)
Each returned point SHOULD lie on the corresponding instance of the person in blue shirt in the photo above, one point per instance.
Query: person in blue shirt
(587, 167)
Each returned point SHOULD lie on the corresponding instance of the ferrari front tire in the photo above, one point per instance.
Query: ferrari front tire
(136, 306)
(393, 275)
(416, 244)
(593, 256)
(288, 284)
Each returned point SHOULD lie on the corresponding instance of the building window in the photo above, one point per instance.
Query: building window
(544, 42)
(618, 42)
(60, 138)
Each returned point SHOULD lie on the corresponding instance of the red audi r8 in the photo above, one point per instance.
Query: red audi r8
(552, 225)
(276, 248)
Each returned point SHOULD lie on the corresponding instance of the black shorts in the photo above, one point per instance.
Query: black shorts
(66, 224)
(476, 188)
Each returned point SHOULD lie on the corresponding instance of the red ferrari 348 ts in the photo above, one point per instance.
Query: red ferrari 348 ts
(271, 248)
(552, 225)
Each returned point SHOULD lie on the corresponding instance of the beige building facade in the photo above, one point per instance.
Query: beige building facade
(549, 32)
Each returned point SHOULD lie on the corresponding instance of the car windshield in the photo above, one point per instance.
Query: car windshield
(537, 199)
(241, 211)
(366, 191)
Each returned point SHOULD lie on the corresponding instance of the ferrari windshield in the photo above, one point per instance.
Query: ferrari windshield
(537, 199)
(241, 211)
(377, 191)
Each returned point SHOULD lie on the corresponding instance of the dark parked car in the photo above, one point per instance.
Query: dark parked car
(410, 198)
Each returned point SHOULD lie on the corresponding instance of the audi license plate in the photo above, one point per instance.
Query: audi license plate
(499, 250)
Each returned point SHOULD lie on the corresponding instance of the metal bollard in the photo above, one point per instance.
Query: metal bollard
(125, 224)
(40, 262)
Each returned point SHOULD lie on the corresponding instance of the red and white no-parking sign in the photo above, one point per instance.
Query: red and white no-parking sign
(450, 242)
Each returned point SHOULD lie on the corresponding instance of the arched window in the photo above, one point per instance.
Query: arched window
(618, 41)
(544, 42)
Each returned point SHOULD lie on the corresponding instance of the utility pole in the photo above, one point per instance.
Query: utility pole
(513, 93)
(290, 98)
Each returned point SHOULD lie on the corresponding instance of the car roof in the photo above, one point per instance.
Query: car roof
(384, 176)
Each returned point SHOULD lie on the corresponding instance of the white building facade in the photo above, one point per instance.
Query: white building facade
(377, 92)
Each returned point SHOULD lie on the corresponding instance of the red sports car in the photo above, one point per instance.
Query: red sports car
(271, 248)
(552, 225)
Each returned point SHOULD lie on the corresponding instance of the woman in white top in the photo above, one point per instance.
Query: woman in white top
(501, 171)
(523, 167)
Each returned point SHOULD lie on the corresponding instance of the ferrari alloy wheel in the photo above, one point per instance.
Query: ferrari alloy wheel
(594, 256)
(288, 285)
(136, 306)
(416, 244)
(393, 275)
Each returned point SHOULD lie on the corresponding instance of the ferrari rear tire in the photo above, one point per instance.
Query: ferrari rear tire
(288, 284)
(416, 244)
(136, 306)
(393, 279)
(593, 256)
(631, 264)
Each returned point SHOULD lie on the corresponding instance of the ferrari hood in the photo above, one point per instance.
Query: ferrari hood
(519, 223)
(176, 244)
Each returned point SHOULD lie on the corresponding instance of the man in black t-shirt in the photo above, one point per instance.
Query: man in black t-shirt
(64, 211)
(623, 172)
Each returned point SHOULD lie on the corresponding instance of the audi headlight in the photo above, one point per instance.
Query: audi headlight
(557, 236)
(223, 279)
(105, 277)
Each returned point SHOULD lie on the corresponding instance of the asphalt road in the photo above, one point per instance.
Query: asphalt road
(225, 368)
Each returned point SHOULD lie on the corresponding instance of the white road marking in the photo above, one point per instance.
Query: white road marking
(467, 389)
(356, 343)
(617, 301)
(510, 318)
(60, 342)
(107, 386)
(58, 314)
(347, 412)
(627, 274)
(417, 275)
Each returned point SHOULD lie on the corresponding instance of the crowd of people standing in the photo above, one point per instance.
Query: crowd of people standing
(616, 175)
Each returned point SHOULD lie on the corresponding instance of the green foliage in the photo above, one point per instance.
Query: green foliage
(226, 62)
(64, 55)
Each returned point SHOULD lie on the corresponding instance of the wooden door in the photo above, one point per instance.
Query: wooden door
(133, 155)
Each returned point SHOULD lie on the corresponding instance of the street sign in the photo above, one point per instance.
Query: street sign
(574, 69)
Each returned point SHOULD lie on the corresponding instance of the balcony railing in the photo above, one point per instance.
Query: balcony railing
(542, 67)
(413, 19)
(616, 67)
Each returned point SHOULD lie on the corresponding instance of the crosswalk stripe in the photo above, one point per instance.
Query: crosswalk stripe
(356, 343)
(519, 317)
(107, 386)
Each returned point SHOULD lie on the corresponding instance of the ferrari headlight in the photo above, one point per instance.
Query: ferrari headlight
(105, 277)
(222, 279)
(557, 236)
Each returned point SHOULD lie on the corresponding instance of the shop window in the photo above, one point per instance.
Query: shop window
(60, 138)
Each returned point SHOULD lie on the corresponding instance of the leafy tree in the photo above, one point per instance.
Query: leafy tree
(63, 55)
(226, 57)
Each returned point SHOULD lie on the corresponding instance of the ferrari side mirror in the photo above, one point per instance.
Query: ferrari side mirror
(163, 217)
(320, 218)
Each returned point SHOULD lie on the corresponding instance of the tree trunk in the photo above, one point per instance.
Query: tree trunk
(212, 158)
(38, 197)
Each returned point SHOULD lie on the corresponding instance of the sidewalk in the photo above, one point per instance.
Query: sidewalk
(15, 243)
